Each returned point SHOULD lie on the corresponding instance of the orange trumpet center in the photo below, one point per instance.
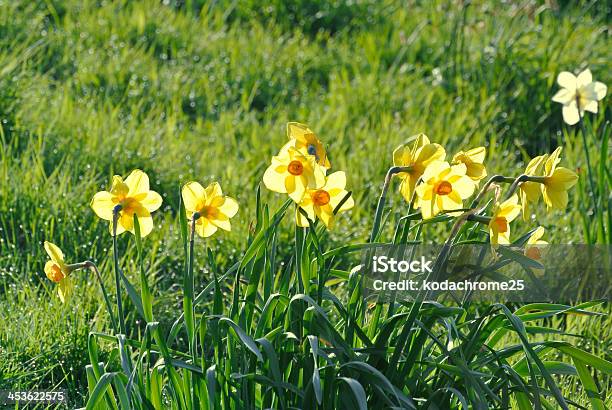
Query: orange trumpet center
(501, 223)
(320, 197)
(534, 253)
(295, 168)
(444, 188)
(55, 273)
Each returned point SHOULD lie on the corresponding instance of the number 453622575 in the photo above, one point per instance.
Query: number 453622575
(10, 397)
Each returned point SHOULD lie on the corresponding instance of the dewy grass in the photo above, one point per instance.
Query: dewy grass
(176, 96)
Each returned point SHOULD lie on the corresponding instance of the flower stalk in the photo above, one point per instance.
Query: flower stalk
(587, 156)
(92, 267)
(116, 211)
(381, 200)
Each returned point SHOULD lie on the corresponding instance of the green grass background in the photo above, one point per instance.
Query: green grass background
(185, 90)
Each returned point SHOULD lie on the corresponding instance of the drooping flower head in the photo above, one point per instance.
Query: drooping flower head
(58, 271)
(473, 160)
(503, 214)
(128, 198)
(291, 172)
(321, 202)
(534, 246)
(444, 188)
(212, 209)
(305, 140)
(557, 181)
(530, 191)
(578, 94)
(416, 156)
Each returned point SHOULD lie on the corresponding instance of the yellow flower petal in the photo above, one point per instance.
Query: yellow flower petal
(552, 161)
(194, 196)
(103, 204)
(561, 179)
(151, 201)
(204, 228)
(584, 78)
(567, 80)
(119, 188)
(137, 182)
(54, 252)
(213, 190)
(64, 289)
(273, 180)
(555, 199)
(229, 207)
(570, 113)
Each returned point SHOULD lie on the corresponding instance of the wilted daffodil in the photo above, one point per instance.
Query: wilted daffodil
(128, 198)
(473, 160)
(416, 156)
(444, 188)
(503, 214)
(557, 181)
(58, 271)
(578, 94)
(292, 173)
(530, 191)
(305, 140)
(209, 206)
(533, 249)
(322, 201)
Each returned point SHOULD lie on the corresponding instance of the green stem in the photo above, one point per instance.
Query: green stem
(188, 290)
(515, 184)
(116, 211)
(91, 266)
(587, 155)
(381, 201)
(487, 185)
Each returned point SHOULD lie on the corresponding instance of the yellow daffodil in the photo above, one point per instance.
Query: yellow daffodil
(130, 197)
(503, 214)
(473, 160)
(292, 173)
(533, 249)
(211, 208)
(530, 191)
(305, 140)
(322, 201)
(578, 94)
(58, 271)
(417, 156)
(444, 188)
(557, 181)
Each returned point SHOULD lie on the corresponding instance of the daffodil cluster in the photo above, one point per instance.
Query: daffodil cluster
(434, 185)
(300, 170)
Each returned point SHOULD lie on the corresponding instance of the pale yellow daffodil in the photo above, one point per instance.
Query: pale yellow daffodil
(578, 94)
(444, 188)
(128, 198)
(533, 249)
(503, 214)
(416, 156)
(212, 209)
(473, 160)
(58, 271)
(530, 191)
(557, 181)
(321, 202)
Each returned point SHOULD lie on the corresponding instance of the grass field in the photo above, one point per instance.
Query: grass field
(190, 91)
